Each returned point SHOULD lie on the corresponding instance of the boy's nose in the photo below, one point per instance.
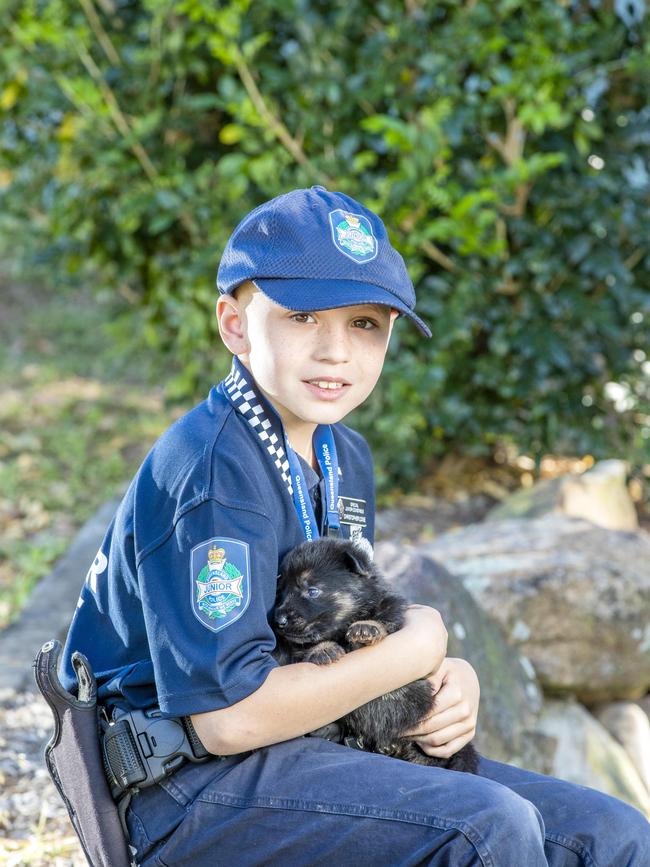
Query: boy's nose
(333, 344)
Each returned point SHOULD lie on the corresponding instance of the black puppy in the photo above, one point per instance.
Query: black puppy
(332, 599)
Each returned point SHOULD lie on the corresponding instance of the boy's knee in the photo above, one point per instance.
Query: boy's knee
(516, 818)
(502, 827)
(616, 832)
(510, 831)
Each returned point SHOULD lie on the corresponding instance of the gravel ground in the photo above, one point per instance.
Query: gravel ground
(34, 825)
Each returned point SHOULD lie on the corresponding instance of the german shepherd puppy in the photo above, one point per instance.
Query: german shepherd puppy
(332, 599)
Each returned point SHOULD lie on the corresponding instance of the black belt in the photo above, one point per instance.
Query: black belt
(141, 747)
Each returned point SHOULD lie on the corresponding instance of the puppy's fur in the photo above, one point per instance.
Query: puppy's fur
(332, 599)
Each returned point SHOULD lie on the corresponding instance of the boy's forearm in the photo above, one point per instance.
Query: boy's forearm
(296, 699)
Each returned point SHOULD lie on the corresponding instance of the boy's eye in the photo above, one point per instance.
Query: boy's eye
(313, 592)
(302, 317)
(365, 324)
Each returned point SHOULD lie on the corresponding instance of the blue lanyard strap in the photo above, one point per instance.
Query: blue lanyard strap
(301, 501)
(325, 448)
(240, 390)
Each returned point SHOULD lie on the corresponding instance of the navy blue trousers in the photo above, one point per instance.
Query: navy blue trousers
(311, 803)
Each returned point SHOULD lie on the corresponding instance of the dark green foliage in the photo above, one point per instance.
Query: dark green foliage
(504, 143)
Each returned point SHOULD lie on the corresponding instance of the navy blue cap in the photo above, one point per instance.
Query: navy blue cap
(314, 250)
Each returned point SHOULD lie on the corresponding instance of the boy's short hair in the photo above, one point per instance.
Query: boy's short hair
(314, 250)
(243, 290)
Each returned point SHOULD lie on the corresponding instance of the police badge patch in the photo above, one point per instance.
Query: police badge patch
(353, 236)
(220, 574)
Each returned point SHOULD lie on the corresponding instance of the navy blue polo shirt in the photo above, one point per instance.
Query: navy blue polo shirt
(176, 607)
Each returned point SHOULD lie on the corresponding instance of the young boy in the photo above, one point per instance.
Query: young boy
(177, 607)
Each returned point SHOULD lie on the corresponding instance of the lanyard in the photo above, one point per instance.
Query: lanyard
(239, 389)
(325, 450)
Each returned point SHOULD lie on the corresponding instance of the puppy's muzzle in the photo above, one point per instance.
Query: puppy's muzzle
(294, 627)
(286, 619)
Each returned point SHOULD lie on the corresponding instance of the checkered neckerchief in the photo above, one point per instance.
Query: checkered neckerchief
(246, 401)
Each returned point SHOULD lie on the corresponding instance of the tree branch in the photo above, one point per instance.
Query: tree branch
(102, 36)
(437, 255)
(116, 113)
(634, 258)
(276, 126)
(511, 149)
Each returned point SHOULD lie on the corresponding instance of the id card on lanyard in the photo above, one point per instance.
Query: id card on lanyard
(239, 389)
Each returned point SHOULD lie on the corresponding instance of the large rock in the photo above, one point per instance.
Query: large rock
(644, 704)
(572, 597)
(421, 517)
(628, 724)
(510, 695)
(600, 495)
(587, 754)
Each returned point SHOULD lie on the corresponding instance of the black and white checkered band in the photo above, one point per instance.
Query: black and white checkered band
(245, 400)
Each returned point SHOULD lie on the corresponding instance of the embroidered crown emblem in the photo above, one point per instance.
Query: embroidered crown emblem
(216, 555)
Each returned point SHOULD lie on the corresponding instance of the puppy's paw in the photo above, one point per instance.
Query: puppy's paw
(365, 632)
(325, 653)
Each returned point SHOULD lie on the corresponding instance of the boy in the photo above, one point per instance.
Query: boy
(176, 609)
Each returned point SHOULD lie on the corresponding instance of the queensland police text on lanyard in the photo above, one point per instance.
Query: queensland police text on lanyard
(325, 451)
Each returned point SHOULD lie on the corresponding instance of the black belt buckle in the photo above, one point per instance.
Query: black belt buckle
(141, 747)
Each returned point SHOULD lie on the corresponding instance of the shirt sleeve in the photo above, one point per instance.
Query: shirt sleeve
(207, 595)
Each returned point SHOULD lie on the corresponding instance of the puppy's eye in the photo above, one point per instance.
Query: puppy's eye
(313, 592)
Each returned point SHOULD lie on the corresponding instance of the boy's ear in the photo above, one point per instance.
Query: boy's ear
(232, 325)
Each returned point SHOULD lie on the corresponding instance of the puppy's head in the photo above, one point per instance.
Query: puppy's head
(323, 586)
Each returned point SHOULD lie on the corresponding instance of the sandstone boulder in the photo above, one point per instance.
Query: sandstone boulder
(587, 754)
(572, 597)
(600, 495)
(644, 704)
(628, 724)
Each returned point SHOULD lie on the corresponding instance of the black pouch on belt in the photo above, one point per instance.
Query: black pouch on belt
(74, 760)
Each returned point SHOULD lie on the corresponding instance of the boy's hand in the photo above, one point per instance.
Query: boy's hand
(453, 721)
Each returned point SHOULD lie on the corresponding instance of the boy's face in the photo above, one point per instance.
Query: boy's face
(314, 367)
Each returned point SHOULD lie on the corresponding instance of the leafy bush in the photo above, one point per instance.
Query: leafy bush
(503, 143)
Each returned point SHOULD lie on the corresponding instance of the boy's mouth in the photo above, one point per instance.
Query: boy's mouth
(327, 388)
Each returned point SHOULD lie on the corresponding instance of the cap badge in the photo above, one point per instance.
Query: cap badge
(353, 236)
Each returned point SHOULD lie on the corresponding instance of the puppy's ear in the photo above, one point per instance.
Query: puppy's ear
(356, 560)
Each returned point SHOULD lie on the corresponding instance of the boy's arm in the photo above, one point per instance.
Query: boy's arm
(299, 698)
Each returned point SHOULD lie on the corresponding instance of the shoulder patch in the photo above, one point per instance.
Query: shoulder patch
(220, 581)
